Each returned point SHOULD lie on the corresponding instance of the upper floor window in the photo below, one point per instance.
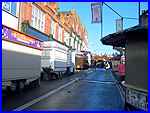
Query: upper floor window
(38, 18)
(60, 33)
(52, 26)
(10, 7)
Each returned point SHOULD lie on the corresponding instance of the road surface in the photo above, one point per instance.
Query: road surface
(89, 90)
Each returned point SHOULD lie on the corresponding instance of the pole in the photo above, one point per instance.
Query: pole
(130, 18)
(102, 21)
(139, 12)
(113, 10)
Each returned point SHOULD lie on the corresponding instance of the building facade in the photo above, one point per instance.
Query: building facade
(78, 38)
(43, 21)
(10, 14)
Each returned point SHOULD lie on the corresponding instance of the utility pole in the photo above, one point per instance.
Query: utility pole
(139, 12)
(102, 20)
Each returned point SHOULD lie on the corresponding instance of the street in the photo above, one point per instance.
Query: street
(74, 56)
(88, 90)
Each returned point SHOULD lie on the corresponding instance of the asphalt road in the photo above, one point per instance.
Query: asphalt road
(89, 90)
(13, 100)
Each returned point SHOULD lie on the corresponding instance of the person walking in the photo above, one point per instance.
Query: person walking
(107, 66)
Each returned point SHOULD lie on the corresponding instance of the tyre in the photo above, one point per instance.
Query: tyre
(42, 76)
(20, 86)
(37, 82)
(73, 71)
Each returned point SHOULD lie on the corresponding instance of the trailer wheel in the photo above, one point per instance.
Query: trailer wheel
(20, 85)
(37, 82)
(9, 90)
(73, 71)
(42, 76)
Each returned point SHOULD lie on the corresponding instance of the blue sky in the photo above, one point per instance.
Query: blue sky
(83, 9)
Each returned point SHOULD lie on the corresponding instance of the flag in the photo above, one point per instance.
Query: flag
(96, 9)
(119, 25)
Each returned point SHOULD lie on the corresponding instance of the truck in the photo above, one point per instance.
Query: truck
(57, 60)
(21, 56)
(81, 61)
(71, 61)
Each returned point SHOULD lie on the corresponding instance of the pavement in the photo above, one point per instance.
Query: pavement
(92, 90)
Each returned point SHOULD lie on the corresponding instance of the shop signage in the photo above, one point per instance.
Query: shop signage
(14, 36)
(6, 6)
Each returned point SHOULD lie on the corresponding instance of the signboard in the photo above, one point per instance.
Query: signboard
(14, 36)
(6, 6)
(54, 44)
(137, 99)
(119, 25)
(10, 7)
(96, 9)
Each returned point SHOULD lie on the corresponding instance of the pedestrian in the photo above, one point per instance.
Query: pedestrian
(110, 63)
(95, 65)
(107, 66)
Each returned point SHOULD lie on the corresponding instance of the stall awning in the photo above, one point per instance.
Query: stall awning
(119, 39)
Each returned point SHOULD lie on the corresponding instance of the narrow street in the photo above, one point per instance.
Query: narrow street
(93, 90)
(74, 56)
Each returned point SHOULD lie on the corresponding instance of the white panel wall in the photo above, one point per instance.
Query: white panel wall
(9, 20)
(22, 63)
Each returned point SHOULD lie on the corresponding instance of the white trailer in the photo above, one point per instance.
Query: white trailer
(57, 57)
(21, 56)
(71, 60)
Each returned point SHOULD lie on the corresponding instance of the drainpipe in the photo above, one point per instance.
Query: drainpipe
(19, 18)
(139, 13)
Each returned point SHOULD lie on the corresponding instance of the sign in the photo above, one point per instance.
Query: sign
(14, 36)
(137, 99)
(96, 9)
(119, 25)
(54, 44)
(6, 6)
(10, 7)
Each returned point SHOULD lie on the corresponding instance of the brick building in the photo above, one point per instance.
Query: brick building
(79, 37)
(40, 19)
(43, 21)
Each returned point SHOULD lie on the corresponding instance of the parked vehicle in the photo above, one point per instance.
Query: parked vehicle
(21, 56)
(81, 61)
(71, 61)
(56, 59)
(100, 64)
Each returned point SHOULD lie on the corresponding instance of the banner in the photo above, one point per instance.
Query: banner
(96, 9)
(119, 25)
(15, 36)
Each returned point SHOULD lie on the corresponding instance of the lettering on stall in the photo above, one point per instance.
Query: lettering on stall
(15, 36)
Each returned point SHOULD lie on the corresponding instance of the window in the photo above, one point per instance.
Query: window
(60, 33)
(46, 53)
(38, 19)
(52, 26)
(69, 41)
(10, 7)
(54, 30)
